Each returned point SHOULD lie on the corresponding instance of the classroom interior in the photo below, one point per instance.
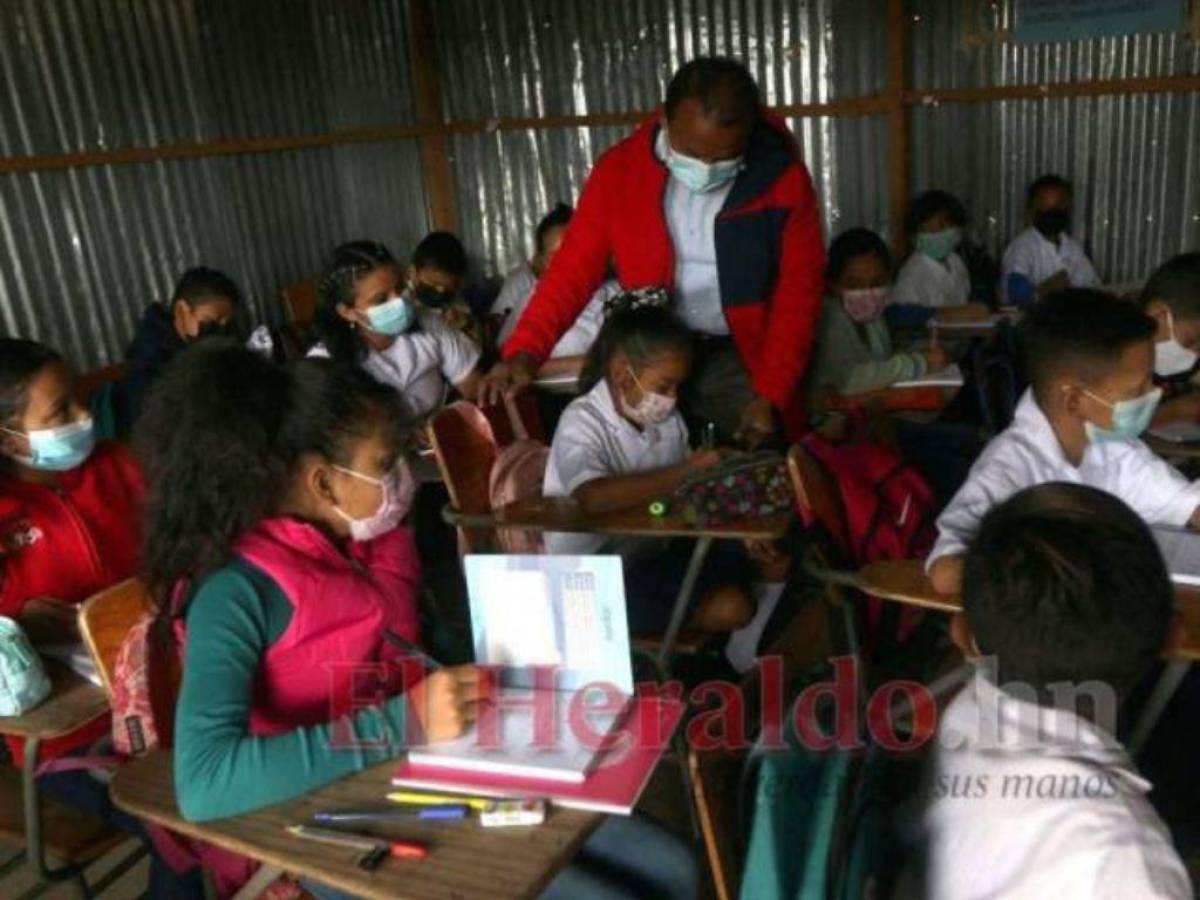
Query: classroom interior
(256, 139)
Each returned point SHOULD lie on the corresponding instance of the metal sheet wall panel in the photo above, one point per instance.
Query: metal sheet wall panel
(83, 250)
(526, 58)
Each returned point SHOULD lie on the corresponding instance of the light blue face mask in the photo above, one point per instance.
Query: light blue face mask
(392, 317)
(58, 449)
(1130, 417)
(938, 244)
(699, 176)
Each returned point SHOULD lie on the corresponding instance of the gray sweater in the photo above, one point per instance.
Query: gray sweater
(851, 358)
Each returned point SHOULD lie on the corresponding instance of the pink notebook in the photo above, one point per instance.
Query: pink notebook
(613, 786)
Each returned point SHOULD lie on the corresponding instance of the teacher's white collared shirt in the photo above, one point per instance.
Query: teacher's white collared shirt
(593, 441)
(926, 282)
(1047, 807)
(691, 221)
(1032, 255)
(1028, 453)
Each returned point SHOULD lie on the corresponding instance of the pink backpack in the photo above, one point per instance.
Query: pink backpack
(145, 685)
(517, 474)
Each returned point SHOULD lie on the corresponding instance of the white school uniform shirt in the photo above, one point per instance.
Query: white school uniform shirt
(1046, 805)
(593, 441)
(514, 296)
(1031, 254)
(1028, 453)
(691, 220)
(422, 363)
(923, 281)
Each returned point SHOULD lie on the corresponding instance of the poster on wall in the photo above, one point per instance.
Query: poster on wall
(1047, 21)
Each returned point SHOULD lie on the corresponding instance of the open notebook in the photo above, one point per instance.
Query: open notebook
(1181, 549)
(951, 376)
(565, 612)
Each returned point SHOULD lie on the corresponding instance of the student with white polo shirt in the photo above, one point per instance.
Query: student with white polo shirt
(934, 275)
(1089, 358)
(1044, 257)
(366, 318)
(1030, 794)
(623, 445)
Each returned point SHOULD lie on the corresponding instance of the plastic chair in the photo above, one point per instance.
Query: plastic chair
(516, 418)
(106, 618)
(299, 301)
(465, 448)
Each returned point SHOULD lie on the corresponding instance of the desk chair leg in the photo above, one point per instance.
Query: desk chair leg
(11, 864)
(35, 848)
(258, 882)
(1164, 690)
(699, 552)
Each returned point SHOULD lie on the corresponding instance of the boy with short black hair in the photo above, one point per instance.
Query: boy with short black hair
(1089, 360)
(1172, 298)
(436, 277)
(1032, 796)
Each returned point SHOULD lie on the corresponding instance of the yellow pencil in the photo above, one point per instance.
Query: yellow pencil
(478, 804)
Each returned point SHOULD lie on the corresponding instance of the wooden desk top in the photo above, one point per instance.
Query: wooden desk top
(904, 581)
(73, 701)
(465, 859)
(561, 514)
(1172, 449)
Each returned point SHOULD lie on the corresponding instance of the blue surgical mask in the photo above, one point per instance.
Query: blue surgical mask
(58, 449)
(1130, 417)
(699, 176)
(391, 317)
(938, 244)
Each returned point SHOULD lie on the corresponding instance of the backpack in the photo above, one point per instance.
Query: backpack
(743, 485)
(517, 474)
(144, 686)
(23, 681)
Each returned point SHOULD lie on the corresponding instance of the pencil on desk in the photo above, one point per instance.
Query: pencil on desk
(416, 798)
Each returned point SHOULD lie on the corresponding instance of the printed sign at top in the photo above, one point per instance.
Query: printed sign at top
(1047, 21)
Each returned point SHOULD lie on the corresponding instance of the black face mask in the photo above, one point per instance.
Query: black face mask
(428, 295)
(1052, 222)
(213, 329)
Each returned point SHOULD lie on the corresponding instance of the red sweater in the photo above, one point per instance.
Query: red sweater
(83, 533)
(770, 255)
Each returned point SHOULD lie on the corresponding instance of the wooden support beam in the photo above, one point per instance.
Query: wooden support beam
(995, 93)
(435, 154)
(898, 121)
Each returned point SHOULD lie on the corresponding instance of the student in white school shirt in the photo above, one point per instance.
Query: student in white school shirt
(934, 275)
(366, 318)
(567, 355)
(624, 445)
(1089, 358)
(1030, 794)
(1044, 257)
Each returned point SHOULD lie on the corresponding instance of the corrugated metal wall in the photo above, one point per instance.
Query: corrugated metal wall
(83, 250)
(1135, 160)
(575, 57)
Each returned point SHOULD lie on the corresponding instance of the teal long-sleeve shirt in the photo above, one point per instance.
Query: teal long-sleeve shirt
(220, 768)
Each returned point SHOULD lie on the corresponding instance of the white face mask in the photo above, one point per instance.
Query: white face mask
(397, 489)
(652, 409)
(1170, 356)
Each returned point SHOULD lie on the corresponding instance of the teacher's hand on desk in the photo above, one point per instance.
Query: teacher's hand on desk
(505, 377)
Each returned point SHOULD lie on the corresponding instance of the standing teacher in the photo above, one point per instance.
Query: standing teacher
(711, 201)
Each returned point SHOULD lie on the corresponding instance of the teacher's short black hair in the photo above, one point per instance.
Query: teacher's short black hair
(1065, 583)
(723, 86)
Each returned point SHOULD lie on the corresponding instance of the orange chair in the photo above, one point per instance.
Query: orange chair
(465, 448)
(516, 418)
(300, 302)
(106, 618)
(818, 496)
(893, 399)
(89, 382)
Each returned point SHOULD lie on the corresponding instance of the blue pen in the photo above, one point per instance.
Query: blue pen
(437, 813)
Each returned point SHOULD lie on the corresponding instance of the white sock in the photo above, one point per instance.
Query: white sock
(742, 649)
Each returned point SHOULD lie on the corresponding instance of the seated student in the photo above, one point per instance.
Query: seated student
(1044, 258)
(203, 304)
(934, 275)
(1066, 598)
(854, 351)
(1172, 298)
(623, 445)
(1089, 359)
(435, 279)
(367, 318)
(70, 509)
(567, 355)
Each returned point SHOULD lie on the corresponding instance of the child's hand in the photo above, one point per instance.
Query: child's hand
(704, 459)
(446, 702)
(935, 358)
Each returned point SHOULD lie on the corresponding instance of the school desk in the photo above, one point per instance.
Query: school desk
(561, 514)
(73, 702)
(1173, 451)
(905, 581)
(564, 383)
(465, 860)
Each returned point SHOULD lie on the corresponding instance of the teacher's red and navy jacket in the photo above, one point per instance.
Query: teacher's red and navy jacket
(770, 255)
